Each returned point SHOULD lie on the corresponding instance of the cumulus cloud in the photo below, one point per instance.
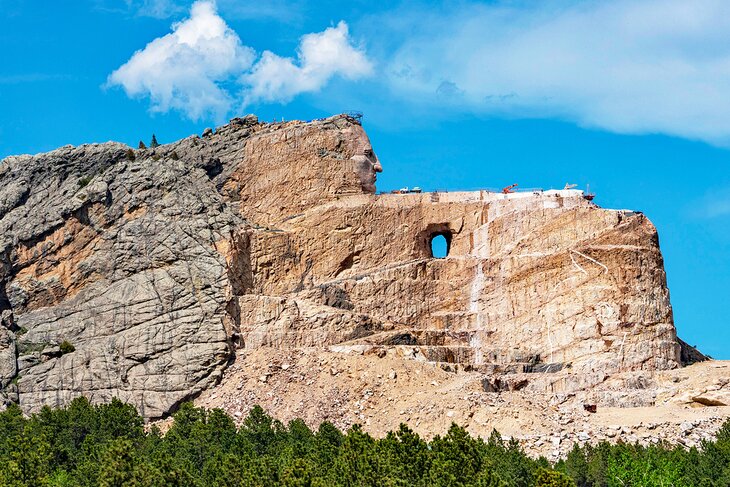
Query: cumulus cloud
(184, 69)
(320, 57)
(629, 66)
(195, 68)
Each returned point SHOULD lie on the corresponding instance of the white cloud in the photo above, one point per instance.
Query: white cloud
(629, 66)
(320, 56)
(193, 68)
(186, 69)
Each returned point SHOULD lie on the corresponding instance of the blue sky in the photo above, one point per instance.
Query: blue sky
(631, 97)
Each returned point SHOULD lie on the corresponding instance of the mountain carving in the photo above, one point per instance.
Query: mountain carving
(161, 267)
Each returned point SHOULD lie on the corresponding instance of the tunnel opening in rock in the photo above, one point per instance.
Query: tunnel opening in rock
(440, 244)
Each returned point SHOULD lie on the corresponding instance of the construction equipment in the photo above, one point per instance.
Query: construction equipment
(407, 190)
(509, 189)
(588, 195)
(569, 186)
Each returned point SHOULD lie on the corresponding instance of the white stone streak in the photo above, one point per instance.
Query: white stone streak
(481, 239)
(621, 353)
(577, 266)
(605, 269)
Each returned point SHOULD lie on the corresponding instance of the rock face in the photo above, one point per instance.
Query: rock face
(156, 264)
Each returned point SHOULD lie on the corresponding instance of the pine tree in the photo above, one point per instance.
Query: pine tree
(153, 142)
(141, 145)
(551, 478)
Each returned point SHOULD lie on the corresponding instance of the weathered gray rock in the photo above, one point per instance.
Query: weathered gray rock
(8, 367)
(118, 258)
(154, 264)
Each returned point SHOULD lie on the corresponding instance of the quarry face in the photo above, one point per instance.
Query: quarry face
(144, 274)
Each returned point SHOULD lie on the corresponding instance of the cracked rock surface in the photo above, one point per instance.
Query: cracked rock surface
(139, 273)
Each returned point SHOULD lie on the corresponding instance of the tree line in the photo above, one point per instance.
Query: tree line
(107, 445)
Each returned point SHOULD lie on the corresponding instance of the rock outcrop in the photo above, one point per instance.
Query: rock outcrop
(155, 265)
(682, 406)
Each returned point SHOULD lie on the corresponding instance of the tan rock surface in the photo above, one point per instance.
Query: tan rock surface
(161, 265)
(350, 388)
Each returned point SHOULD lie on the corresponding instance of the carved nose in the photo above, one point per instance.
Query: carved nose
(377, 166)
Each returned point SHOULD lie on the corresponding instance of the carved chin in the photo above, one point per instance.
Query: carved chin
(369, 186)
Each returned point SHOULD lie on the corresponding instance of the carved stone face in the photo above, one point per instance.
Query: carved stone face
(366, 166)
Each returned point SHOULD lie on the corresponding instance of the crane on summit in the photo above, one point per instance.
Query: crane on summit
(509, 189)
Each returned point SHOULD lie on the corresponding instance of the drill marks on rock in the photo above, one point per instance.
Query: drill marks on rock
(573, 285)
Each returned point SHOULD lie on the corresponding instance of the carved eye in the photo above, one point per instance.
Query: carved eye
(368, 152)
